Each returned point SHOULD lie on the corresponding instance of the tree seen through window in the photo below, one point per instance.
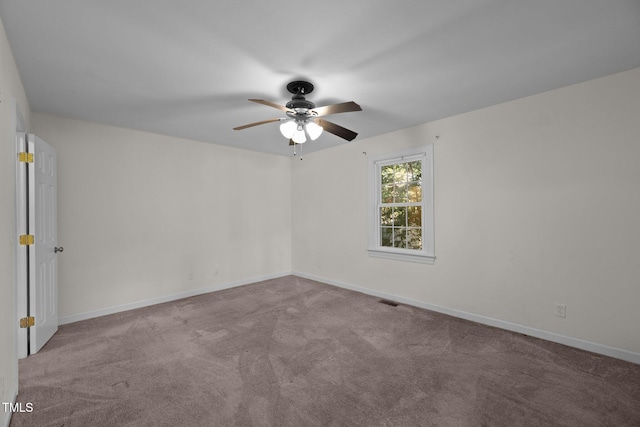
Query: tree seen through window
(401, 205)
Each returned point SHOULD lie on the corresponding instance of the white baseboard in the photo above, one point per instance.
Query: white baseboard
(598, 348)
(6, 415)
(159, 300)
(593, 347)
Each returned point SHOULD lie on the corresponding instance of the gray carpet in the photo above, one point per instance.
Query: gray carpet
(294, 352)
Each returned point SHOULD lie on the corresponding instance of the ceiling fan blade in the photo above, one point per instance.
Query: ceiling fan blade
(345, 107)
(256, 124)
(270, 104)
(337, 130)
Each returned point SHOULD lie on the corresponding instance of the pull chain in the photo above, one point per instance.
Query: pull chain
(294, 150)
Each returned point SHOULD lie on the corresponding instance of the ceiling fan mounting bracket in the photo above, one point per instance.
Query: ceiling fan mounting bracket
(300, 87)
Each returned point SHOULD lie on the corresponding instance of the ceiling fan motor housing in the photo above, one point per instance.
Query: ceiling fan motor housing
(300, 105)
(298, 102)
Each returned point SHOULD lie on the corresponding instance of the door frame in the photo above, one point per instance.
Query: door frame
(20, 274)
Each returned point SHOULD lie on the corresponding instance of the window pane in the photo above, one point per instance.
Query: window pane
(399, 237)
(386, 236)
(414, 216)
(414, 193)
(387, 193)
(386, 216)
(414, 171)
(414, 238)
(400, 172)
(387, 174)
(401, 193)
(400, 217)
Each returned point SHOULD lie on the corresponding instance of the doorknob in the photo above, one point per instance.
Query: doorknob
(56, 250)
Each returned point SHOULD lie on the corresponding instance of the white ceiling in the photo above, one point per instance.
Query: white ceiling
(187, 68)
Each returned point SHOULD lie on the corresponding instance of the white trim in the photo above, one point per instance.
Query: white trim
(6, 416)
(598, 348)
(423, 259)
(167, 298)
(20, 270)
(425, 154)
(593, 347)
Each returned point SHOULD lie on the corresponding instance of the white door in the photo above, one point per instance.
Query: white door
(43, 265)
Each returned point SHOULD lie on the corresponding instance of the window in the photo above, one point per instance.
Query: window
(401, 206)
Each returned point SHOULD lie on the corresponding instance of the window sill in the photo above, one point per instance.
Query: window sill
(422, 259)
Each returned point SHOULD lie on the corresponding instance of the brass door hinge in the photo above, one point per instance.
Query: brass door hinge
(27, 239)
(27, 322)
(25, 157)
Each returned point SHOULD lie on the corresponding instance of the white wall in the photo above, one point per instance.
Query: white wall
(139, 212)
(537, 203)
(10, 88)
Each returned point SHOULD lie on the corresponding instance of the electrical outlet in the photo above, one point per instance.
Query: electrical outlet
(215, 272)
(561, 310)
(190, 276)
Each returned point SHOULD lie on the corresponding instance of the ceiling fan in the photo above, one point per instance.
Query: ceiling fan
(303, 118)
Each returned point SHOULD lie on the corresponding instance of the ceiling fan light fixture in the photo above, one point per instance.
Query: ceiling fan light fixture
(288, 128)
(299, 137)
(314, 130)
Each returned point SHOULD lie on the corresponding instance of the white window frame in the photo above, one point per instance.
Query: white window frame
(427, 254)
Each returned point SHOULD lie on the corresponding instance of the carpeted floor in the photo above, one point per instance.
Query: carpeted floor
(294, 352)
